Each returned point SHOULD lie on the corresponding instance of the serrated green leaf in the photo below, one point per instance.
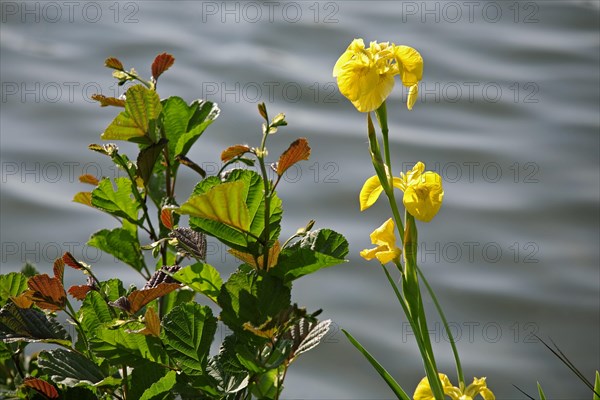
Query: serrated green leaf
(12, 285)
(223, 204)
(184, 124)
(94, 313)
(142, 377)
(319, 249)
(251, 298)
(147, 159)
(121, 347)
(112, 289)
(30, 325)
(142, 105)
(253, 198)
(119, 203)
(121, 244)
(201, 277)
(173, 299)
(188, 332)
(161, 386)
(69, 368)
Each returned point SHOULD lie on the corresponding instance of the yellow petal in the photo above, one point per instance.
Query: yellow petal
(369, 254)
(384, 235)
(355, 47)
(412, 65)
(370, 192)
(413, 93)
(423, 197)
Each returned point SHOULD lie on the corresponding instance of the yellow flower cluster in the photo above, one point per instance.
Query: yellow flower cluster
(478, 387)
(366, 75)
(423, 192)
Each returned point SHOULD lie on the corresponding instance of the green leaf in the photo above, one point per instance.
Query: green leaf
(597, 386)
(319, 249)
(147, 158)
(12, 285)
(94, 313)
(161, 386)
(121, 244)
(253, 199)
(541, 392)
(112, 289)
(121, 347)
(188, 332)
(142, 105)
(69, 368)
(184, 124)
(142, 377)
(223, 203)
(173, 299)
(30, 325)
(119, 203)
(201, 277)
(398, 391)
(251, 298)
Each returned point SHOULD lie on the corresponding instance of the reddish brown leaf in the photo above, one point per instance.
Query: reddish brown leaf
(108, 101)
(70, 260)
(84, 198)
(41, 386)
(166, 217)
(139, 298)
(59, 269)
(88, 178)
(113, 63)
(23, 300)
(48, 293)
(231, 152)
(79, 291)
(161, 63)
(298, 150)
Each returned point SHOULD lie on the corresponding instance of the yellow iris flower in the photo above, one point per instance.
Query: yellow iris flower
(366, 75)
(478, 387)
(385, 239)
(423, 192)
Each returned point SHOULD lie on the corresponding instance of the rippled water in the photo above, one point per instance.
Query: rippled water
(508, 115)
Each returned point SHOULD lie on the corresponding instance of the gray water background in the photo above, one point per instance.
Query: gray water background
(508, 115)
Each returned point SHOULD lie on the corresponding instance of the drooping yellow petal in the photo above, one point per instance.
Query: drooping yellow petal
(423, 390)
(370, 192)
(423, 196)
(411, 70)
(479, 387)
(385, 239)
(413, 93)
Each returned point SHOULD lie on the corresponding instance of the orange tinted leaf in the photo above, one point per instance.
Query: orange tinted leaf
(113, 63)
(108, 101)
(231, 152)
(298, 150)
(249, 259)
(79, 291)
(48, 293)
(71, 261)
(23, 300)
(88, 178)
(152, 322)
(161, 63)
(59, 269)
(41, 386)
(166, 217)
(139, 298)
(84, 198)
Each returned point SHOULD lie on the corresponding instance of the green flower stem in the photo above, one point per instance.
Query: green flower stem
(459, 371)
(428, 360)
(388, 187)
(71, 313)
(263, 170)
